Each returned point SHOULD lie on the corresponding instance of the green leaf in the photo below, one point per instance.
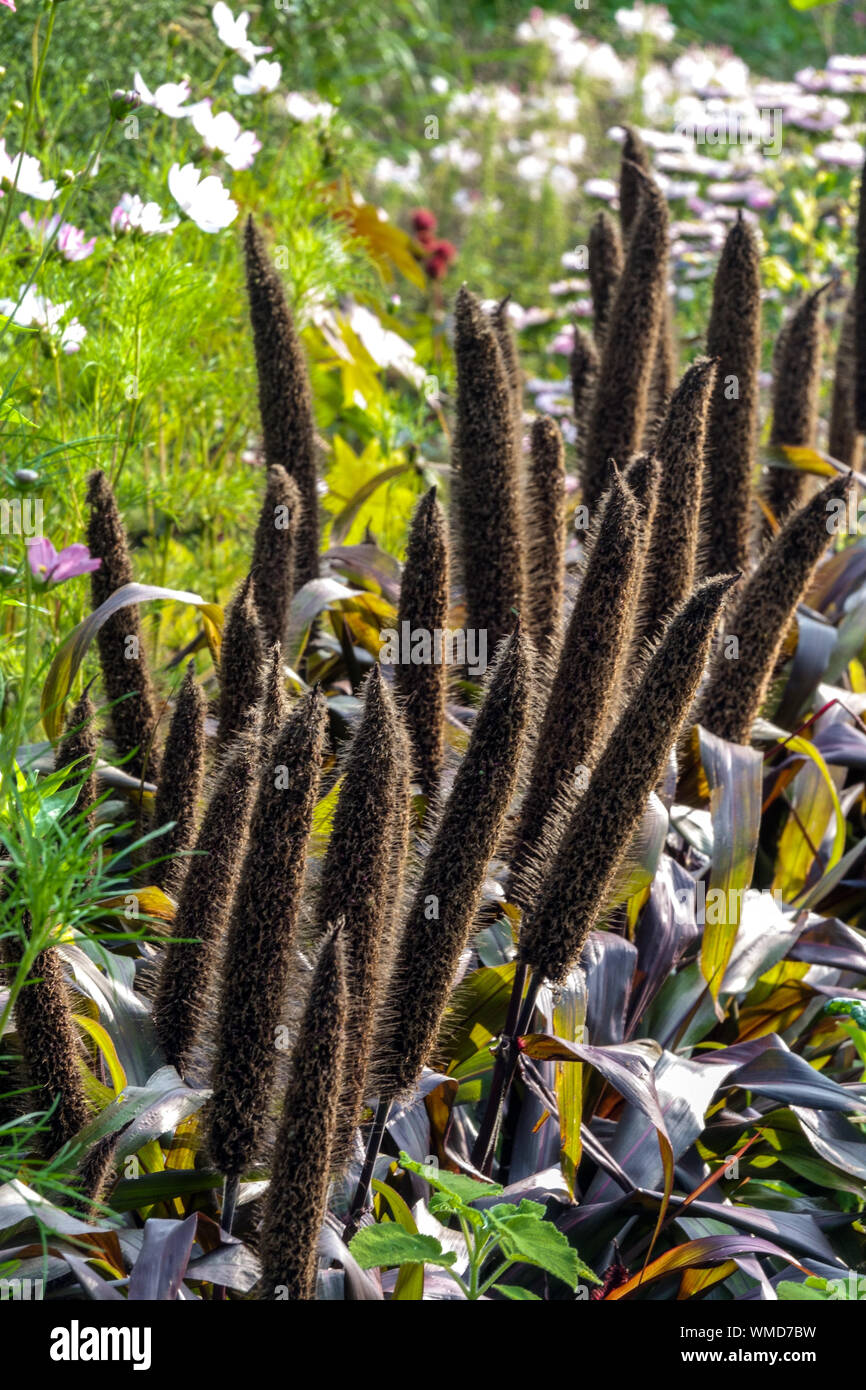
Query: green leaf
(504, 1211)
(465, 1189)
(539, 1243)
(518, 1295)
(812, 1288)
(388, 1245)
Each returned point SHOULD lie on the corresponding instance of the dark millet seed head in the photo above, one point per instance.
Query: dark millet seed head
(422, 686)
(619, 409)
(574, 892)
(180, 783)
(360, 877)
(545, 525)
(734, 340)
(583, 365)
(844, 441)
(761, 615)
(78, 746)
(261, 935)
(295, 1204)
(673, 550)
(583, 693)
(506, 338)
(486, 490)
(635, 158)
(273, 565)
(189, 959)
(605, 268)
(122, 656)
(285, 401)
(241, 673)
(440, 919)
(796, 383)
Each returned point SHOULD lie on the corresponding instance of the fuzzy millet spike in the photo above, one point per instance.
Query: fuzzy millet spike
(671, 561)
(506, 338)
(583, 366)
(664, 373)
(634, 158)
(275, 701)
(796, 382)
(241, 672)
(583, 692)
(261, 936)
(545, 525)
(423, 686)
(605, 268)
(486, 490)
(273, 563)
(642, 477)
(285, 401)
(440, 919)
(619, 409)
(49, 1044)
(190, 957)
(736, 688)
(734, 340)
(78, 746)
(844, 441)
(860, 312)
(575, 890)
(121, 643)
(180, 783)
(360, 879)
(295, 1204)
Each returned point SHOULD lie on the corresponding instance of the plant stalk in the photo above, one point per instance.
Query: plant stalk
(362, 1191)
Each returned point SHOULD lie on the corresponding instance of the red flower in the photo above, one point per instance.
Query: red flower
(441, 256)
(423, 223)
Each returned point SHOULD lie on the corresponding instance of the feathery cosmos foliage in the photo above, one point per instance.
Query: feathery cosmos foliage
(424, 606)
(672, 554)
(504, 330)
(125, 671)
(860, 314)
(78, 748)
(440, 918)
(844, 440)
(241, 673)
(736, 688)
(273, 564)
(190, 956)
(581, 701)
(583, 364)
(180, 783)
(296, 1200)
(261, 935)
(734, 340)
(796, 382)
(486, 491)
(545, 525)
(575, 889)
(285, 402)
(360, 877)
(605, 268)
(49, 1043)
(619, 411)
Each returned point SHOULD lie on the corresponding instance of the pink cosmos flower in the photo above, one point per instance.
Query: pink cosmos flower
(10, 4)
(52, 566)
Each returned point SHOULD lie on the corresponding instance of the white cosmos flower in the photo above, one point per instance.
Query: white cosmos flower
(647, 19)
(386, 348)
(262, 77)
(223, 133)
(300, 108)
(132, 215)
(233, 32)
(37, 311)
(23, 171)
(204, 200)
(168, 98)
